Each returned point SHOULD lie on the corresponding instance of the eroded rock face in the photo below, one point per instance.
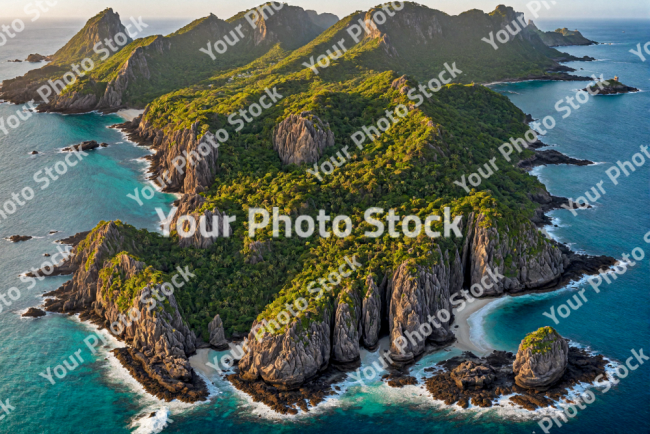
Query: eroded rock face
(541, 359)
(289, 359)
(418, 302)
(302, 138)
(524, 261)
(160, 340)
(347, 327)
(469, 375)
(212, 222)
(217, 334)
(200, 155)
(371, 314)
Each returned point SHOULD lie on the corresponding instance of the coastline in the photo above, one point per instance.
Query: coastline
(463, 332)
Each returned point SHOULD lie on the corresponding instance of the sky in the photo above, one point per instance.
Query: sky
(84, 9)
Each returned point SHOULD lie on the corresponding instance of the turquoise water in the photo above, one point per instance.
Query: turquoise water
(99, 397)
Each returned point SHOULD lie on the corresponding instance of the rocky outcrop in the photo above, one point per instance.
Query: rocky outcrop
(32, 312)
(210, 224)
(419, 309)
(184, 160)
(609, 87)
(19, 238)
(541, 359)
(371, 314)
(85, 146)
(514, 260)
(347, 328)
(550, 156)
(302, 138)
(561, 37)
(35, 58)
(469, 375)
(324, 20)
(217, 334)
(290, 358)
(583, 368)
(160, 341)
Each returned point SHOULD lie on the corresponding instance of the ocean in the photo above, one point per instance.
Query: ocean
(98, 396)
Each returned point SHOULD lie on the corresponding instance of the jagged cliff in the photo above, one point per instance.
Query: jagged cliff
(302, 138)
(185, 160)
(116, 291)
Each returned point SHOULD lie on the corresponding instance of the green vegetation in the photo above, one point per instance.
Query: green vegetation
(410, 168)
(540, 341)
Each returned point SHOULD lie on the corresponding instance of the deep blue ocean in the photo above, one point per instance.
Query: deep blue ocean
(100, 397)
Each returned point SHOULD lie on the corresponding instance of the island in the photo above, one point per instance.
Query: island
(306, 153)
(609, 87)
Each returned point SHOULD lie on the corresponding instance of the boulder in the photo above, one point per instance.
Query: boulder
(217, 334)
(541, 359)
(302, 138)
(469, 375)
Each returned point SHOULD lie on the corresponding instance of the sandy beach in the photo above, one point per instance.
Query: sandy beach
(462, 333)
(200, 360)
(129, 114)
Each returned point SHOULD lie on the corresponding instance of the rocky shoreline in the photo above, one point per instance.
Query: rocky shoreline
(309, 395)
(159, 342)
(494, 378)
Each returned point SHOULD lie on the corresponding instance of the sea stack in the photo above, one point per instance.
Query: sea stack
(217, 334)
(541, 359)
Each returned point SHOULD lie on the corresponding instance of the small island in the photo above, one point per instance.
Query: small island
(609, 87)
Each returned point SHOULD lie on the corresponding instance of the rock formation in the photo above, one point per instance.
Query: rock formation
(419, 307)
(211, 221)
(199, 153)
(160, 341)
(217, 334)
(372, 314)
(468, 379)
(518, 254)
(302, 138)
(469, 375)
(347, 327)
(290, 358)
(541, 359)
(19, 238)
(85, 146)
(35, 58)
(609, 87)
(33, 313)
